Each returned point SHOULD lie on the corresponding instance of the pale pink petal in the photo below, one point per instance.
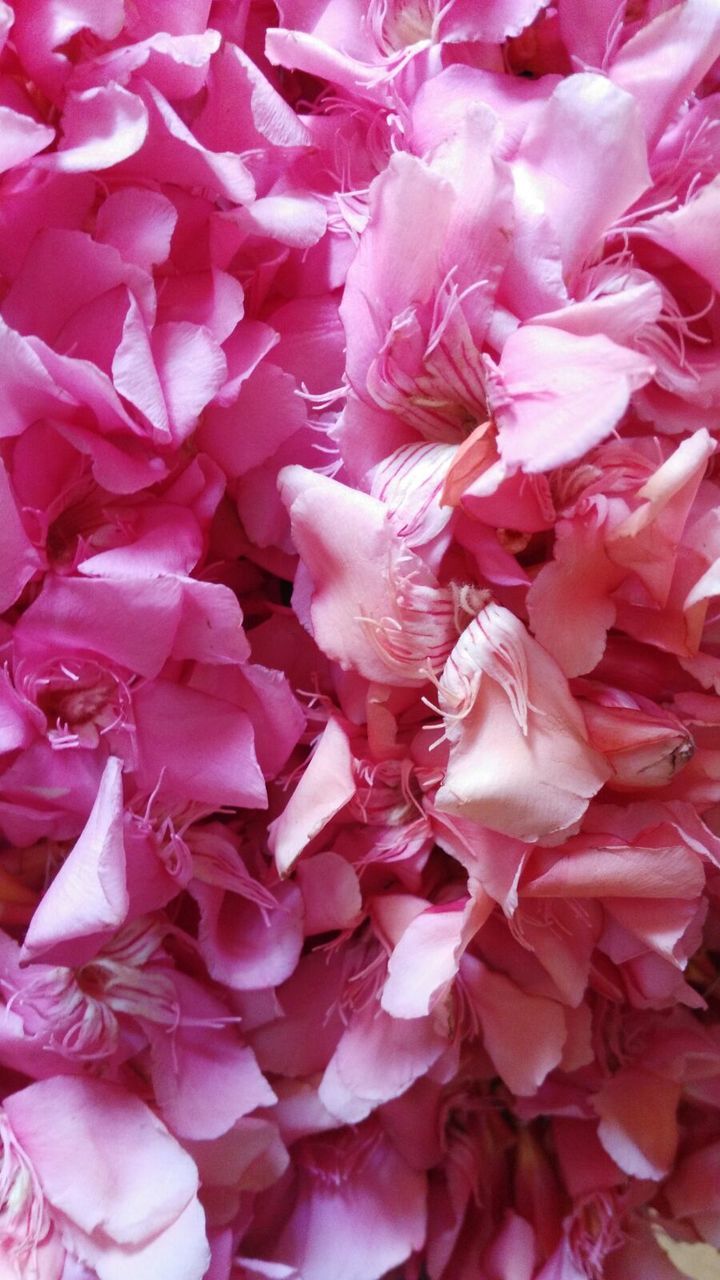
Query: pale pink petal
(100, 128)
(325, 787)
(295, 219)
(587, 137)
(569, 601)
(179, 1252)
(134, 372)
(21, 137)
(88, 896)
(647, 541)
(663, 62)
(377, 1059)
(524, 1034)
(520, 762)
(128, 1178)
(374, 604)
(555, 395)
(688, 231)
(398, 259)
(427, 957)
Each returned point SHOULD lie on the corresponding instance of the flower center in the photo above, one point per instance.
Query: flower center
(24, 1220)
(80, 699)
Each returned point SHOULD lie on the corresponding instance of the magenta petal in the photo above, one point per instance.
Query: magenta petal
(196, 747)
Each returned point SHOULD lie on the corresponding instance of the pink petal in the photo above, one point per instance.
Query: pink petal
(368, 590)
(569, 602)
(331, 893)
(588, 137)
(191, 368)
(88, 896)
(555, 395)
(623, 871)
(180, 1252)
(196, 747)
(29, 391)
(377, 1059)
(638, 1128)
(325, 787)
(21, 137)
(524, 1034)
(19, 559)
(66, 271)
(663, 62)
(138, 223)
(327, 1235)
(128, 1178)
(247, 432)
(497, 20)
(687, 232)
(205, 1078)
(173, 154)
(427, 957)
(647, 541)
(130, 621)
(100, 127)
(519, 759)
(249, 946)
(398, 259)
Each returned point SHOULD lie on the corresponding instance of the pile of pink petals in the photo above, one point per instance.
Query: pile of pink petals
(359, 582)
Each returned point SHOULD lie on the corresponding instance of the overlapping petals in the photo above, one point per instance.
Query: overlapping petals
(360, 558)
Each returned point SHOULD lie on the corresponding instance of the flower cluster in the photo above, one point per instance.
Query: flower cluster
(359, 580)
